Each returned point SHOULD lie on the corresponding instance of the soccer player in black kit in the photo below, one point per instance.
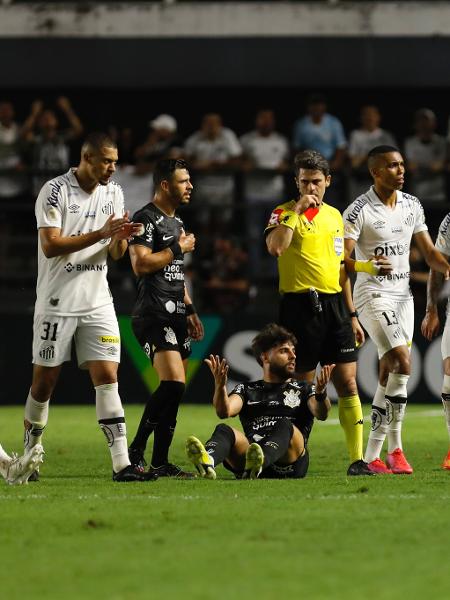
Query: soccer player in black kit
(276, 413)
(164, 319)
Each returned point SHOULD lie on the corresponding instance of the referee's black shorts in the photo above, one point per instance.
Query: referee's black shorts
(326, 337)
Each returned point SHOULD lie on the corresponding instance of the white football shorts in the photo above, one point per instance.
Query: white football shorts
(389, 323)
(96, 337)
(445, 341)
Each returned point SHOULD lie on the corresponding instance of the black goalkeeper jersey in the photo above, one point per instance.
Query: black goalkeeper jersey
(266, 403)
(160, 293)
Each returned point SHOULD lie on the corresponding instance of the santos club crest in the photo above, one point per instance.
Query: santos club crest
(292, 398)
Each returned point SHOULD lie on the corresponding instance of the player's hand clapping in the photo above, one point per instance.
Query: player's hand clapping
(219, 369)
(120, 228)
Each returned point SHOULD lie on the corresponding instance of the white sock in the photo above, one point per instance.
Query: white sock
(111, 418)
(379, 426)
(396, 398)
(446, 400)
(36, 414)
(3, 455)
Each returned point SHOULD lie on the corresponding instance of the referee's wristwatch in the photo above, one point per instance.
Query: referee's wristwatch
(355, 313)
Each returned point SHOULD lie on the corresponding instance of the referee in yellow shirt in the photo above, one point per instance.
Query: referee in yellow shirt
(307, 236)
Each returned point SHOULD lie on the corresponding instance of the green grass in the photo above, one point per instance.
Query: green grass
(76, 534)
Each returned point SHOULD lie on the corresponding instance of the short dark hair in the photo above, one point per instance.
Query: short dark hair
(378, 151)
(165, 169)
(270, 336)
(311, 160)
(97, 140)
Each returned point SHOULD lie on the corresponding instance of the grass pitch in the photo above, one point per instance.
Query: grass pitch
(76, 534)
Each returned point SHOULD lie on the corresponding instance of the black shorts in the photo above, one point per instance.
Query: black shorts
(326, 337)
(155, 334)
(296, 470)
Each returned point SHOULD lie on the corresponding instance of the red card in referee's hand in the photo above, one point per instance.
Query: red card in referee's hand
(311, 212)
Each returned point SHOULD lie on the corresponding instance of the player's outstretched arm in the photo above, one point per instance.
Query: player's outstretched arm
(320, 404)
(226, 406)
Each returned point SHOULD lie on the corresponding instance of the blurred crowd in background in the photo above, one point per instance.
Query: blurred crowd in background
(238, 177)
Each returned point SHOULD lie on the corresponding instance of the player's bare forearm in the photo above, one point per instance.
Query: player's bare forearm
(279, 240)
(437, 262)
(320, 409)
(117, 248)
(221, 402)
(146, 262)
(434, 286)
(53, 244)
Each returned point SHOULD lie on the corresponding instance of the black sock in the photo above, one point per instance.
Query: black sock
(165, 428)
(153, 411)
(276, 443)
(220, 443)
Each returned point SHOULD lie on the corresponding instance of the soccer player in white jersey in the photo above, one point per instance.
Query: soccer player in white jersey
(81, 220)
(430, 323)
(17, 469)
(381, 223)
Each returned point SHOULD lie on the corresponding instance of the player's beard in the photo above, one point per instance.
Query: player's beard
(281, 371)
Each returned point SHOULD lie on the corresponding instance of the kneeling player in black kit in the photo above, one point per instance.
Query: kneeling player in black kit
(276, 413)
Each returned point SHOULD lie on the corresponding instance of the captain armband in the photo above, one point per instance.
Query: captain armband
(288, 218)
(367, 266)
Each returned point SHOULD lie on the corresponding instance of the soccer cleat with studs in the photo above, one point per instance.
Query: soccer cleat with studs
(397, 462)
(379, 467)
(133, 473)
(171, 470)
(21, 468)
(254, 459)
(198, 456)
(359, 467)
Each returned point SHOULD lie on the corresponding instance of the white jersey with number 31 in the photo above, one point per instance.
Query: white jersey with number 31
(75, 284)
(382, 231)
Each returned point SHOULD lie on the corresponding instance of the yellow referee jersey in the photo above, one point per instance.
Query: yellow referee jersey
(314, 256)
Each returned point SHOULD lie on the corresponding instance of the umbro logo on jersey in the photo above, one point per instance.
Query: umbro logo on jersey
(74, 208)
(167, 237)
(379, 224)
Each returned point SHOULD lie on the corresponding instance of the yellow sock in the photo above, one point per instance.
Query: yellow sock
(351, 420)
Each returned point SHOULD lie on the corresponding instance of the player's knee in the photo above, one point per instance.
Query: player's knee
(227, 431)
(347, 387)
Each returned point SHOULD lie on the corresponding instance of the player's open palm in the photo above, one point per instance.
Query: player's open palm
(323, 378)
(218, 368)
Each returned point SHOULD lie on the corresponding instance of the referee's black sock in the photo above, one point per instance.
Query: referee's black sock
(276, 443)
(220, 443)
(165, 428)
(153, 411)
